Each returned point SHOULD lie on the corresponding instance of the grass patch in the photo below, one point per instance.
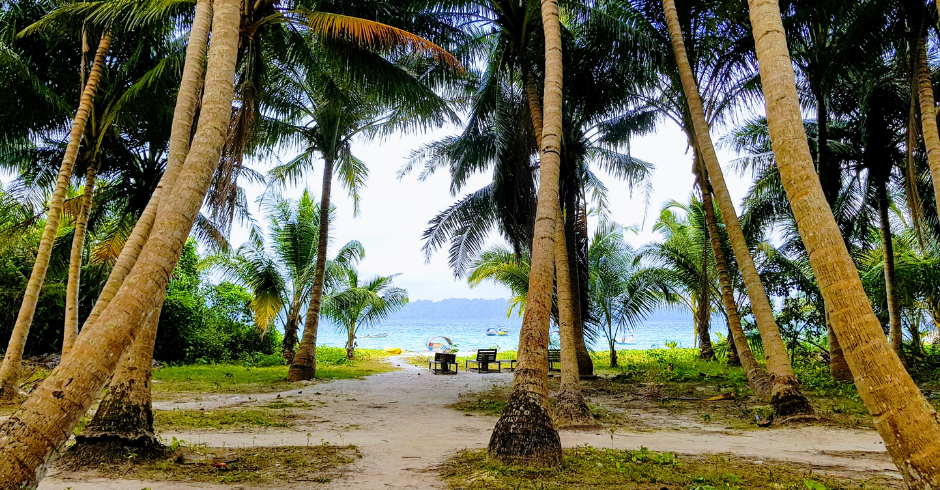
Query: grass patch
(232, 378)
(462, 357)
(256, 465)
(221, 418)
(490, 402)
(587, 467)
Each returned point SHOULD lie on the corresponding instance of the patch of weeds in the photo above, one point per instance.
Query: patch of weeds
(487, 402)
(220, 418)
(256, 465)
(282, 404)
(642, 469)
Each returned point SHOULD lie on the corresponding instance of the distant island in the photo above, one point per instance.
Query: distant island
(492, 310)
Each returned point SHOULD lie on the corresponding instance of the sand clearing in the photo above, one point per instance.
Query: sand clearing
(403, 427)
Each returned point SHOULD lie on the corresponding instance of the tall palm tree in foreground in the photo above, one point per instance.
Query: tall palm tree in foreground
(786, 396)
(905, 420)
(524, 433)
(30, 437)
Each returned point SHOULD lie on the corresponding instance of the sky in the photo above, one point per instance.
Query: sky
(394, 213)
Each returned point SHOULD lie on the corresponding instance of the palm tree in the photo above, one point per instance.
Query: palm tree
(524, 433)
(906, 421)
(354, 304)
(786, 396)
(503, 266)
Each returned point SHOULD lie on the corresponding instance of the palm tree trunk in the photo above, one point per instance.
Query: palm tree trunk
(290, 330)
(585, 363)
(31, 436)
(612, 344)
(786, 397)
(705, 350)
(895, 331)
(570, 409)
(733, 358)
(351, 342)
(75, 263)
(125, 415)
(756, 377)
(524, 433)
(187, 100)
(928, 117)
(838, 366)
(906, 421)
(304, 366)
(12, 358)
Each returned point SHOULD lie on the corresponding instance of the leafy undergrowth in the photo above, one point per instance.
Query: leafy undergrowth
(590, 468)
(231, 378)
(254, 465)
(221, 418)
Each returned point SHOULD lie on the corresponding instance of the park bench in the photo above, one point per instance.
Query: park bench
(485, 358)
(443, 364)
(554, 360)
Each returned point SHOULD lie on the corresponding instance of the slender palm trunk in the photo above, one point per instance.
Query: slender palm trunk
(733, 358)
(786, 396)
(612, 343)
(585, 363)
(928, 117)
(524, 433)
(31, 436)
(895, 331)
(570, 408)
(905, 419)
(757, 379)
(12, 358)
(304, 366)
(705, 350)
(187, 100)
(351, 342)
(838, 366)
(70, 331)
(290, 329)
(125, 415)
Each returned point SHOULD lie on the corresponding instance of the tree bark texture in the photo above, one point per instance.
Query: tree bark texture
(31, 437)
(585, 363)
(838, 366)
(187, 100)
(757, 379)
(895, 330)
(906, 421)
(733, 359)
(570, 408)
(928, 117)
(351, 343)
(70, 332)
(524, 433)
(786, 397)
(304, 366)
(13, 357)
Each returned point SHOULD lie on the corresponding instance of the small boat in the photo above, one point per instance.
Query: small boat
(440, 344)
(392, 351)
(626, 339)
(502, 331)
(376, 336)
(491, 332)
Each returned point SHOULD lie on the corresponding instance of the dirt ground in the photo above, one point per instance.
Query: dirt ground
(403, 427)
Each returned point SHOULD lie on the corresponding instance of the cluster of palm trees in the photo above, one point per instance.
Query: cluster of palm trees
(553, 92)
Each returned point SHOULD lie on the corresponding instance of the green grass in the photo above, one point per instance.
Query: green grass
(232, 378)
(221, 418)
(590, 468)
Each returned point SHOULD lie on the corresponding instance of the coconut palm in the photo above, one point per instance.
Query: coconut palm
(906, 420)
(354, 304)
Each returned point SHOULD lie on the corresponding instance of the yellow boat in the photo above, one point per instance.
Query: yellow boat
(393, 351)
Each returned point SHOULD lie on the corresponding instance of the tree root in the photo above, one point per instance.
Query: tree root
(571, 411)
(524, 434)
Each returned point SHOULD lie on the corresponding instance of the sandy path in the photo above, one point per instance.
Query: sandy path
(400, 423)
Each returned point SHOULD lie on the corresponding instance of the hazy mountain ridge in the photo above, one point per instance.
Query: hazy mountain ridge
(494, 310)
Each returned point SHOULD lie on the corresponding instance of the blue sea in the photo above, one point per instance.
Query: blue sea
(471, 335)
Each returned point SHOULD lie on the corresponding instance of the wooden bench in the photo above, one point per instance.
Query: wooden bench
(554, 360)
(485, 358)
(443, 364)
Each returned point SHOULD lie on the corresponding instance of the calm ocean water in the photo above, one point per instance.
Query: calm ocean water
(471, 335)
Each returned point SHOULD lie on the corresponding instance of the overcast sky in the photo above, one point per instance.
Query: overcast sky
(394, 213)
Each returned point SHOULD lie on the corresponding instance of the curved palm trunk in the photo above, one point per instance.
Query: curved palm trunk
(13, 357)
(40, 427)
(187, 100)
(896, 331)
(757, 379)
(906, 421)
(928, 117)
(705, 350)
(125, 415)
(305, 363)
(570, 409)
(75, 263)
(524, 433)
(786, 397)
